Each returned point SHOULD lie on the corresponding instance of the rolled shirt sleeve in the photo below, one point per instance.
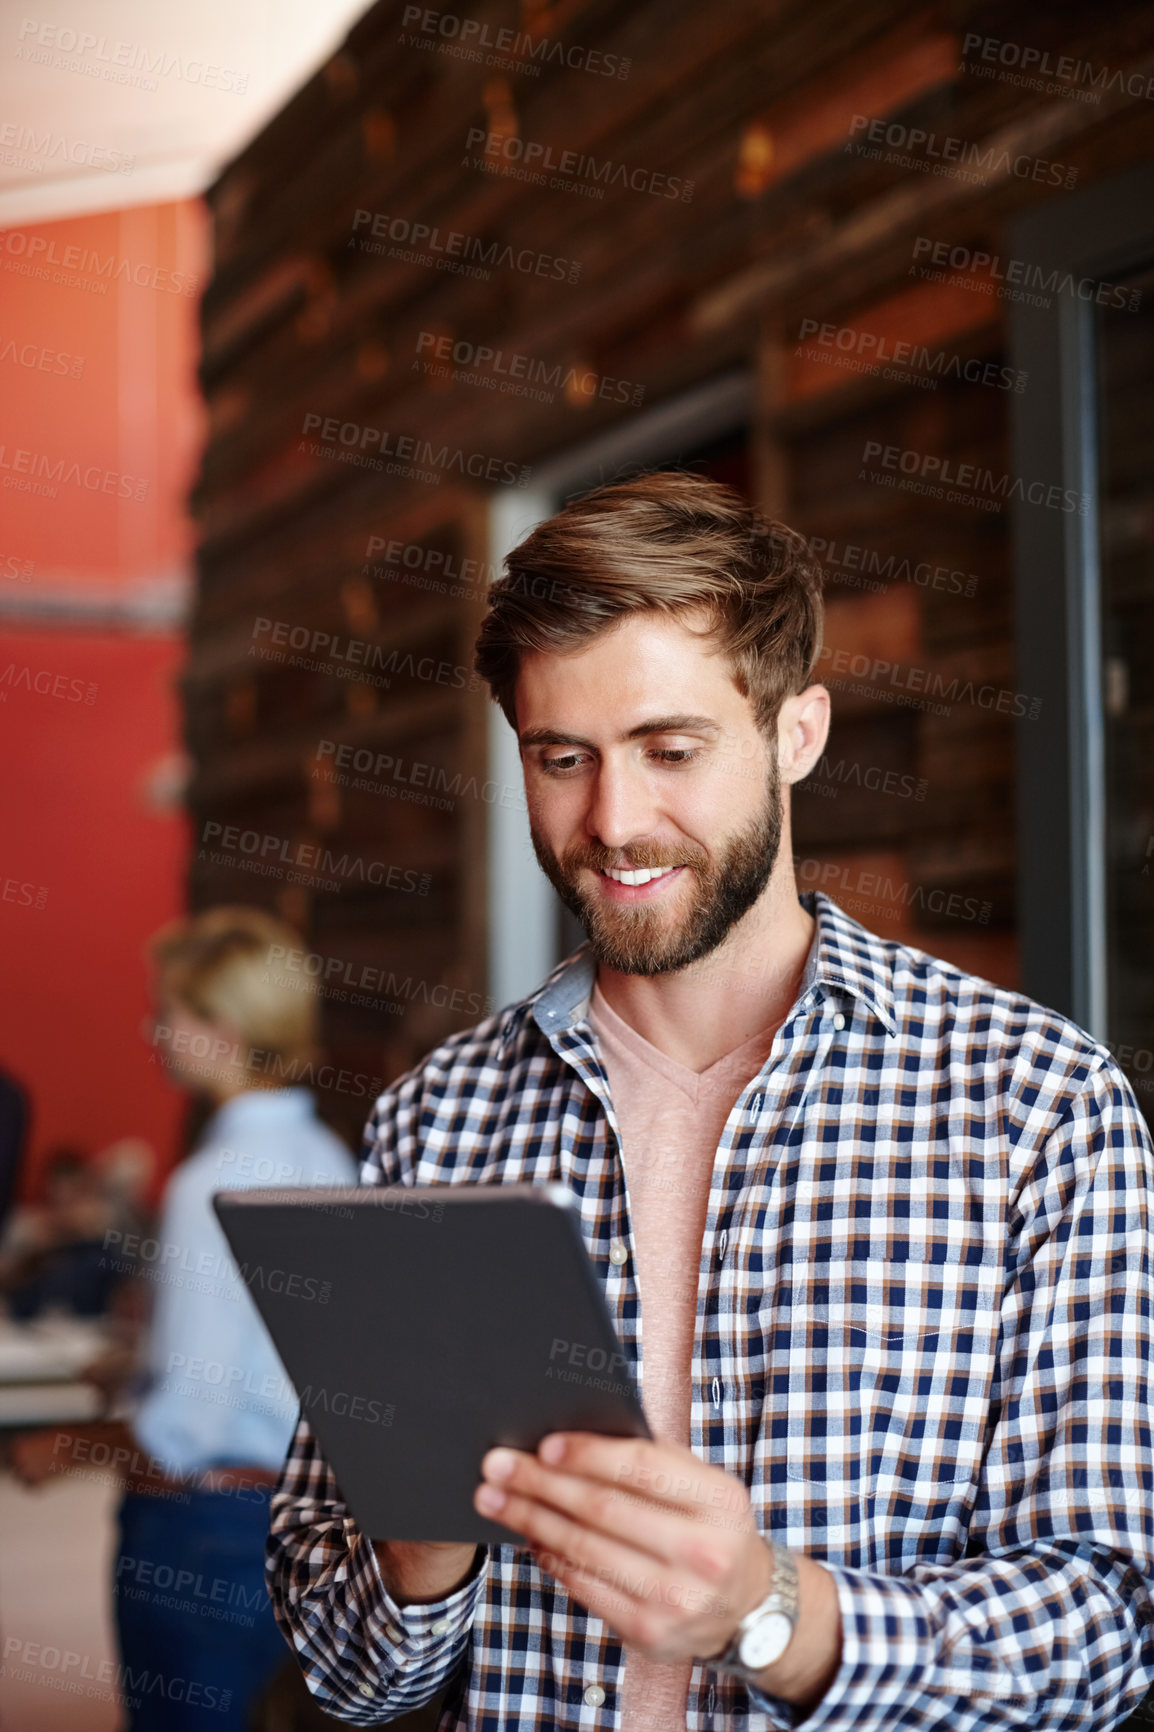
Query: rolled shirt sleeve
(365, 1659)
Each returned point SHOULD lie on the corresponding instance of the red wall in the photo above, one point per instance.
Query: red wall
(81, 837)
(99, 432)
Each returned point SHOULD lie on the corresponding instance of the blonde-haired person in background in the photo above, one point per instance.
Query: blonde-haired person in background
(213, 1418)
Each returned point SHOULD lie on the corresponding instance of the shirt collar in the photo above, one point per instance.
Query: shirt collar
(844, 958)
(848, 958)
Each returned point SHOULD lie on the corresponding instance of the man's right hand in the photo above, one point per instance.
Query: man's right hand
(417, 1571)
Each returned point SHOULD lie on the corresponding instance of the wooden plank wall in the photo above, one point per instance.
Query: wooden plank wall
(345, 483)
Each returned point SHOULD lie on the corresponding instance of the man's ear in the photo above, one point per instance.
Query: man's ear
(802, 730)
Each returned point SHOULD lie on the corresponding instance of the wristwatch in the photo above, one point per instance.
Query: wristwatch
(763, 1634)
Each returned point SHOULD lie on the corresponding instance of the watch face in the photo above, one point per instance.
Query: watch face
(766, 1642)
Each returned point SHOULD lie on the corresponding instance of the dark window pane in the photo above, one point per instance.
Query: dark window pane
(1126, 456)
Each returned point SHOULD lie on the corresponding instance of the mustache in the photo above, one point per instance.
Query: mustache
(597, 857)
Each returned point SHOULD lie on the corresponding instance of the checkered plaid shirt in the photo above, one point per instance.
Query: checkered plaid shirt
(923, 1342)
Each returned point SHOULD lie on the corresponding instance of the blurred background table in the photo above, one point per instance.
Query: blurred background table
(41, 1362)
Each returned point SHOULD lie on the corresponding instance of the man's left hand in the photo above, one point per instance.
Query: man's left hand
(643, 1534)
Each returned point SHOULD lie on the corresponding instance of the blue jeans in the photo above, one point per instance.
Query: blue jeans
(198, 1640)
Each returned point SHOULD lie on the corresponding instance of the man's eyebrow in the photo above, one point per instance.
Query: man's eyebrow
(654, 725)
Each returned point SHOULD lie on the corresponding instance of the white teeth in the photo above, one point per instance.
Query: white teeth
(642, 875)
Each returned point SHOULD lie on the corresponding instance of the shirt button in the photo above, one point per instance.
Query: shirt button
(441, 1627)
(594, 1695)
(394, 1635)
(365, 1689)
(618, 1254)
(839, 1020)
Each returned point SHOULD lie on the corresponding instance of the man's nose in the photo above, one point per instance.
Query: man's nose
(622, 808)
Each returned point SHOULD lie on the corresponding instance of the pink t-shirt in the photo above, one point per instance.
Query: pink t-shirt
(671, 1121)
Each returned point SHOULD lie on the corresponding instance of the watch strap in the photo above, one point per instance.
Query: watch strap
(784, 1596)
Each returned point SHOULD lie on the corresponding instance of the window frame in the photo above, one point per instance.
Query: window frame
(1101, 233)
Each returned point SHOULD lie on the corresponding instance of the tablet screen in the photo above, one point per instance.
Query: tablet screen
(421, 1326)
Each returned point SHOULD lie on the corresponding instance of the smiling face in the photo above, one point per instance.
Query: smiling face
(654, 800)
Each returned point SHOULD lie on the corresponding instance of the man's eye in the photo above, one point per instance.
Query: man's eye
(673, 756)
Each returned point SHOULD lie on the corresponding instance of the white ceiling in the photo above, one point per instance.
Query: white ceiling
(80, 129)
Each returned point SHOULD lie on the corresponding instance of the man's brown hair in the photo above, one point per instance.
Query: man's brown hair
(669, 541)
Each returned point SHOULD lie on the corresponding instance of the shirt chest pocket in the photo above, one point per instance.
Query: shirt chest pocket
(888, 1368)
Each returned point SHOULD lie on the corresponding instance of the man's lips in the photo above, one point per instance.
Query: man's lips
(637, 883)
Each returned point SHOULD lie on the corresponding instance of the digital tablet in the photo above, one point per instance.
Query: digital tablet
(422, 1325)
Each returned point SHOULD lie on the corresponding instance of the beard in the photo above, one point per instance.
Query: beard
(641, 940)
